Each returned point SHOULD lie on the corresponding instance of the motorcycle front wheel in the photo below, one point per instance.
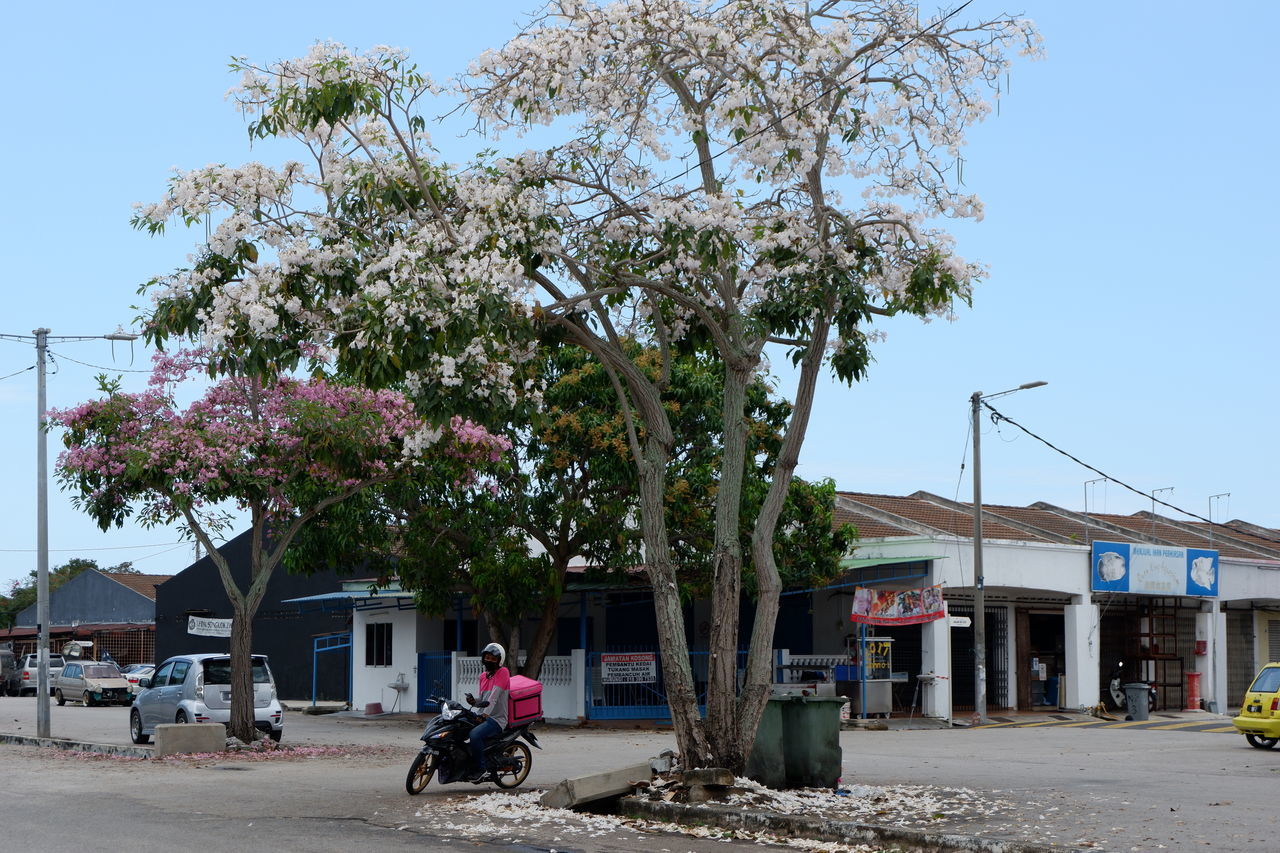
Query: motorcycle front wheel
(420, 772)
(513, 765)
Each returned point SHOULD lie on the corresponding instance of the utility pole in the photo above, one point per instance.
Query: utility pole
(43, 625)
(42, 541)
(979, 579)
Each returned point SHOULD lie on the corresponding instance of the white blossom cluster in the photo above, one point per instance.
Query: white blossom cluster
(705, 174)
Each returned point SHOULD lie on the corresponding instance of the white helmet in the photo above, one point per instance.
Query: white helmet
(495, 649)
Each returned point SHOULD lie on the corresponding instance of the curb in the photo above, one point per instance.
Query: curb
(848, 832)
(79, 746)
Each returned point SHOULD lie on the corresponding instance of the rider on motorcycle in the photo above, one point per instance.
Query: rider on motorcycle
(495, 683)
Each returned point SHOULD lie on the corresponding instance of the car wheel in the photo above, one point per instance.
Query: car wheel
(276, 734)
(181, 719)
(513, 765)
(135, 729)
(87, 699)
(1259, 742)
(57, 695)
(420, 772)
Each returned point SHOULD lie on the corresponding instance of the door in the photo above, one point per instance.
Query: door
(149, 701)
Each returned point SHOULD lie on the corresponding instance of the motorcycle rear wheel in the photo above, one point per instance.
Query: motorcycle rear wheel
(507, 775)
(420, 772)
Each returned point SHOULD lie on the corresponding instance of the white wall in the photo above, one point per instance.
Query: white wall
(369, 684)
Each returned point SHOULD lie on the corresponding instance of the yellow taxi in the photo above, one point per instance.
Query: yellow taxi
(1259, 719)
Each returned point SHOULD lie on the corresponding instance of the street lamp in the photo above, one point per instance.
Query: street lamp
(979, 588)
(42, 521)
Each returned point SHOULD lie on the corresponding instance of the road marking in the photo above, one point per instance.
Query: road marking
(1167, 726)
(1129, 724)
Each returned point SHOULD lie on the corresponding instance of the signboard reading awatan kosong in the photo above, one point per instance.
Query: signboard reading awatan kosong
(634, 668)
(1143, 569)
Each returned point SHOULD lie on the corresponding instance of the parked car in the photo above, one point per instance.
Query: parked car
(1259, 719)
(10, 675)
(197, 689)
(91, 682)
(31, 672)
(135, 672)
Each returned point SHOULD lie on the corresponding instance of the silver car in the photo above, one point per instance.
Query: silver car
(31, 668)
(197, 689)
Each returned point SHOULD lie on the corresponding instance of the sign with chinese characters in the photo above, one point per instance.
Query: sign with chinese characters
(206, 627)
(1144, 569)
(637, 668)
(898, 607)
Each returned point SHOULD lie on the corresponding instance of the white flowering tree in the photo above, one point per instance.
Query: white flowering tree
(725, 178)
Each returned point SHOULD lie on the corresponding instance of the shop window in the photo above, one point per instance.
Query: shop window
(377, 644)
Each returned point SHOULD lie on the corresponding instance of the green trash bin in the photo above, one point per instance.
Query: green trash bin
(798, 743)
(766, 764)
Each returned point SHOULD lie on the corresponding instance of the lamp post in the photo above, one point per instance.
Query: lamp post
(42, 521)
(979, 581)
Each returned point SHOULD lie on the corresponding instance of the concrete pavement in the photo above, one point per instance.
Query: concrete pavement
(1075, 782)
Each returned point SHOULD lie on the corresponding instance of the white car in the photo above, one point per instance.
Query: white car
(197, 689)
(135, 672)
(30, 668)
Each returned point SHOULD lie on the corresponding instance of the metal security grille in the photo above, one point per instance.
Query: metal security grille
(1273, 639)
(962, 676)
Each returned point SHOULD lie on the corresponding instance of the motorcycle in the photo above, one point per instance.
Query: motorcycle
(446, 754)
(1115, 691)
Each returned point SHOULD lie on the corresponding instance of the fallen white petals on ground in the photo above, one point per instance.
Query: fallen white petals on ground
(910, 806)
(517, 814)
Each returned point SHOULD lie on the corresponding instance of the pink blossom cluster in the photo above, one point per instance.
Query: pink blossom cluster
(271, 446)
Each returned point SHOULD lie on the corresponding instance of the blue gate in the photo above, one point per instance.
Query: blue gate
(644, 697)
(435, 676)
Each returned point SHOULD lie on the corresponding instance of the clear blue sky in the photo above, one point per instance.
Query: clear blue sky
(1130, 189)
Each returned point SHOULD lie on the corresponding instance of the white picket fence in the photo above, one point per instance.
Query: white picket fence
(563, 678)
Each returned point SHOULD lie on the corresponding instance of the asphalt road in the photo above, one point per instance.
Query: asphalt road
(1090, 788)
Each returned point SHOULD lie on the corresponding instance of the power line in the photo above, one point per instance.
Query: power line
(97, 366)
(998, 416)
(16, 372)
(104, 548)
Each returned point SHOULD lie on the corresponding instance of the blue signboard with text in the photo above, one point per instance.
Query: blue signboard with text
(1144, 569)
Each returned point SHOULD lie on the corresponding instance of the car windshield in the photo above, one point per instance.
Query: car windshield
(101, 671)
(218, 671)
(1268, 681)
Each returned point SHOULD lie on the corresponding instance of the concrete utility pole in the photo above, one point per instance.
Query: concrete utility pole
(42, 516)
(979, 580)
(42, 542)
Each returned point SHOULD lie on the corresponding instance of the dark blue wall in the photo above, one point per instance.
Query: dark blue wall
(92, 597)
(279, 631)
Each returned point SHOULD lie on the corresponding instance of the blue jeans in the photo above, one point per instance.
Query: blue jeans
(479, 739)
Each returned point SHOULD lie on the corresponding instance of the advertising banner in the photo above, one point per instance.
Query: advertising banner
(1143, 569)
(900, 607)
(205, 627)
(637, 668)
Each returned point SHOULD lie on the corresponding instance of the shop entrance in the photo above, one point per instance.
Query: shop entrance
(1041, 659)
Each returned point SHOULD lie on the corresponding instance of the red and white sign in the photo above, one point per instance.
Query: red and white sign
(633, 668)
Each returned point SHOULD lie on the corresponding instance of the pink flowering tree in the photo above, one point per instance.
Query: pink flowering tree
(282, 452)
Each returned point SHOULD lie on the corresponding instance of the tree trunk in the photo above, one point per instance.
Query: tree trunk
(546, 630)
(242, 714)
(676, 672)
(726, 746)
(755, 688)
